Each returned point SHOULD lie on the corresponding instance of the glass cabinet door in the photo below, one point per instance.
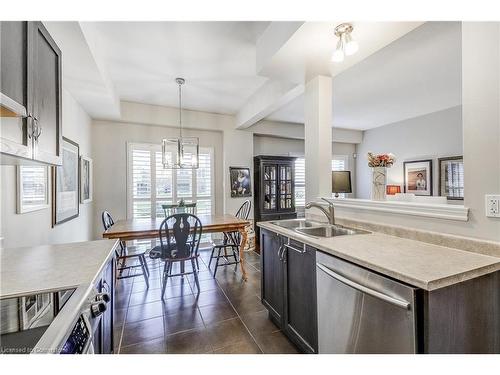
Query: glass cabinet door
(286, 187)
(270, 193)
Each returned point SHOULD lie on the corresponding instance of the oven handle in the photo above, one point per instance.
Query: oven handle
(384, 297)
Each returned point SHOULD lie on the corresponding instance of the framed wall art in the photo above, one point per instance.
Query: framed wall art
(241, 185)
(418, 177)
(451, 177)
(65, 182)
(86, 183)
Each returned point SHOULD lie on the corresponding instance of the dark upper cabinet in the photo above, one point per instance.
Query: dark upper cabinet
(288, 288)
(272, 292)
(274, 182)
(14, 135)
(45, 81)
(33, 70)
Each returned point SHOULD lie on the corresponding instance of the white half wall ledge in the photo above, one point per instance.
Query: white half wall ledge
(438, 211)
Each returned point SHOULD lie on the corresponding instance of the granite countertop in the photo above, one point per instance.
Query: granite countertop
(40, 269)
(417, 263)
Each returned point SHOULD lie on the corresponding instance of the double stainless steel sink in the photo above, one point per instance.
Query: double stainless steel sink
(317, 229)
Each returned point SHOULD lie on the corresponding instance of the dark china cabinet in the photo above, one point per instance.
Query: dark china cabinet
(30, 94)
(274, 188)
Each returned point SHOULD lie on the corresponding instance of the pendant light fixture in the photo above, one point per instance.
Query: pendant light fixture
(346, 46)
(182, 152)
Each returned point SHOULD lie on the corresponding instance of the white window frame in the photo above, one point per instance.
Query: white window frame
(153, 148)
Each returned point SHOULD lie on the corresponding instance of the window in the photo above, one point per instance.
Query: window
(151, 186)
(339, 163)
(300, 182)
(32, 188)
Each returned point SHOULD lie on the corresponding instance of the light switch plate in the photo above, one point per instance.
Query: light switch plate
(492, 205)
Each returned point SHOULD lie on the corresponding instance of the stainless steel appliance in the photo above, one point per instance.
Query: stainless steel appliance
(68, 328)
(360, 311)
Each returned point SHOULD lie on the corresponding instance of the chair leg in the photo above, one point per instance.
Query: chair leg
(164, 278)
(211, 257)
(197, 264)
(217, 262)
(195, 273)
(182, 268)
(145, 264)
(143, 267)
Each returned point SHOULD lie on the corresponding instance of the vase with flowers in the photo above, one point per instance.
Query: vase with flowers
(379, 164)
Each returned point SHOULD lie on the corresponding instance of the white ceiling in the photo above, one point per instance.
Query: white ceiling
(416, 74)
(217, 59)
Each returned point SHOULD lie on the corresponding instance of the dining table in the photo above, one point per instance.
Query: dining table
(148, 228)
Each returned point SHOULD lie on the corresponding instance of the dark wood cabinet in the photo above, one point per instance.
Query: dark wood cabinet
(288, 277)
(15, 136)
(103, 336)
(31, 77)
(45, 81)
(300, 316)
(274, 197)
(272, 275)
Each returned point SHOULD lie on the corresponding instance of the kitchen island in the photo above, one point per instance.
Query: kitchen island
(47, 292)
(455, 306)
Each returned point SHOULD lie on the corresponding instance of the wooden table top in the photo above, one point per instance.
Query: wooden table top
(148, 228)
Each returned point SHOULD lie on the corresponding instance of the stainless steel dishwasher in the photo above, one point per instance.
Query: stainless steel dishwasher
(363, 312)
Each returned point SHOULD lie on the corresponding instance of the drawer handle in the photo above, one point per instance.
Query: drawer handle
(374, 293)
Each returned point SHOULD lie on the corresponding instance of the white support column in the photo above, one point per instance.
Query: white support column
(318, 137)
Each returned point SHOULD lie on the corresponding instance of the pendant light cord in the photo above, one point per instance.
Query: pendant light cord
(180, 110)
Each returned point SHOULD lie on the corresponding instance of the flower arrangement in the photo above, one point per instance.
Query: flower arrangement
(381, 160)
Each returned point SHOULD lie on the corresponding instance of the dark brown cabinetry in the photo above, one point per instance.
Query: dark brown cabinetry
(274, 188)
(272, 290)
(289, 288)
(103, 336)
(31, 78)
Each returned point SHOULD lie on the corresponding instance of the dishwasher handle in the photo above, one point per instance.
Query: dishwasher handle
(384, 297)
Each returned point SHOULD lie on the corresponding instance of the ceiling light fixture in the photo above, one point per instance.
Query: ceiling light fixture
(182, 152)
(346, 46)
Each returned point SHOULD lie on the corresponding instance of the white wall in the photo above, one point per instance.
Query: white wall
(35, 228)
(481, 129)
(432, 136)
(109, 147)
(265, 145)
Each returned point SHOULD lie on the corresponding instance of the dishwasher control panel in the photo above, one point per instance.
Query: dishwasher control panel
(79, 338)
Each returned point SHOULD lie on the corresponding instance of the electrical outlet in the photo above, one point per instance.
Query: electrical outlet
(492, 205)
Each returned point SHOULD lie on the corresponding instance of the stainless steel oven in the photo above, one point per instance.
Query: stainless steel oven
(361, 311)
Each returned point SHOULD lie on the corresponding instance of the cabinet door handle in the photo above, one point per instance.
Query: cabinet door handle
(37, 129)
(280, 249)
(295, 249)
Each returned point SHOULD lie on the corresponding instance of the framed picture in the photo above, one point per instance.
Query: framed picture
(241, 185)
(32, 188)
(418, 177)
(451, 177)
(86, 187)
(65, 200)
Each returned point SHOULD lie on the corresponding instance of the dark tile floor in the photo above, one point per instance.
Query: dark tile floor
(227, 317)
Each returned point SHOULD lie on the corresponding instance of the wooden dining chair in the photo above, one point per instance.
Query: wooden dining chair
(172, 209)
(179, 242)
(122, 256)
(231, 241)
